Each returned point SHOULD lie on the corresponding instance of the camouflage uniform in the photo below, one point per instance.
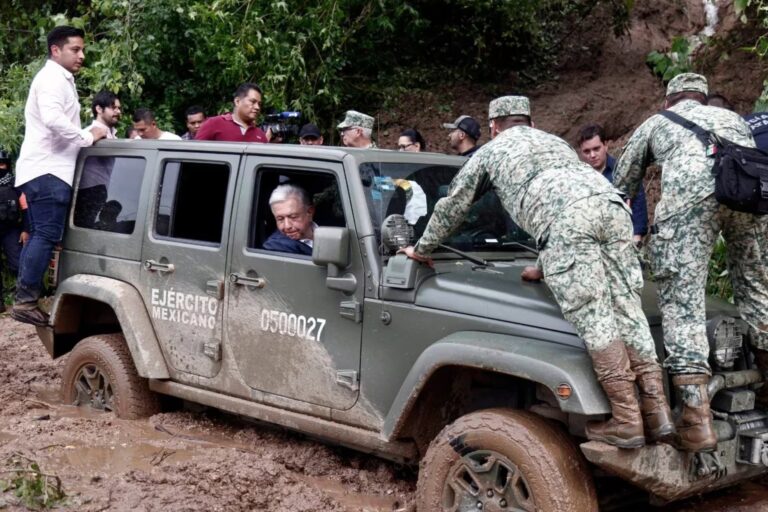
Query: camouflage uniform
(588, 259)
(687, 222)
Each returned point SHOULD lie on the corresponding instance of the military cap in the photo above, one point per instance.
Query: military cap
(509, 106)
(355, 118)
(687, 82)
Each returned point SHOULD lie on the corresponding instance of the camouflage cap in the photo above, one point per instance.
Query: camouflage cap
(688, 82)
(355, 118)
(509, 106)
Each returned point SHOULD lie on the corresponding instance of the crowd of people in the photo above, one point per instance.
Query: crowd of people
(585, 209)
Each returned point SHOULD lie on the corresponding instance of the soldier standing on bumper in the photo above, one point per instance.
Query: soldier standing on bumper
(588, 258)
(687, 222)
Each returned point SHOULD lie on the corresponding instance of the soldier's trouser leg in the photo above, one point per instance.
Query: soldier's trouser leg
(590, 266)
(679, 253)
(746, 238)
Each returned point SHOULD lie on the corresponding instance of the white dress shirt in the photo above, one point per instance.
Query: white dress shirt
(52, 137)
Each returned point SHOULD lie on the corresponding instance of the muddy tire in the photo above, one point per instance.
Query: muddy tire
(501, 459)
(99, 373)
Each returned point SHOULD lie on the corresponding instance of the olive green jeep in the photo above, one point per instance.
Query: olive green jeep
(164, 287)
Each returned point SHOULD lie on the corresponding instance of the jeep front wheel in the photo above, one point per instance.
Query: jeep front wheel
(99, 373)
(501, 459)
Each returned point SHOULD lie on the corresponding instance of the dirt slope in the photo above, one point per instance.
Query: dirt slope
(602, 78)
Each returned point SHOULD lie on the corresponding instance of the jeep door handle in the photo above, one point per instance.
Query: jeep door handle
(242, 280)
(156, 266)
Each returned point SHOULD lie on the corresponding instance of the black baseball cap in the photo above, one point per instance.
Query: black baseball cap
(309, 130)
(466, 124)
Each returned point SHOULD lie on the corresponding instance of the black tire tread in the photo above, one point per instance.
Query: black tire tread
(133, 398)
(550, 452)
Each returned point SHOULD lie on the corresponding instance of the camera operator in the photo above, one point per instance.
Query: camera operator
(240, 124)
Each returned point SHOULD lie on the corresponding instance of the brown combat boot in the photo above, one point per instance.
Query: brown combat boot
(695, 432)
(761, 395)
(625, 428)
(657, 417)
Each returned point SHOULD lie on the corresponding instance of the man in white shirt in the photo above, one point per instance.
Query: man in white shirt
(46, 165)
(146, 126)
(92, 190)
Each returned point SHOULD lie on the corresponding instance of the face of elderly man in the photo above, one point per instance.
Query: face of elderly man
(294, 218)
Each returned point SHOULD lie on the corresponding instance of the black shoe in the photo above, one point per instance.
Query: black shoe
(34, 316)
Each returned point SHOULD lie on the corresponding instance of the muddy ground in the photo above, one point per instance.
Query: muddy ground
(203, 460)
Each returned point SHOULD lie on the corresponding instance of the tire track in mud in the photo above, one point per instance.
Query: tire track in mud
(205, 460)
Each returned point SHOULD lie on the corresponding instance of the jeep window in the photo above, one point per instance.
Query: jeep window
(412, 189)
(322, 189)
(108, 193)
(192, 199)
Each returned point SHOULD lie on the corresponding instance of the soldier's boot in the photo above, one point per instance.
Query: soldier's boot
(657, 417)
(761, 395)
(695, 431)
(625, 428)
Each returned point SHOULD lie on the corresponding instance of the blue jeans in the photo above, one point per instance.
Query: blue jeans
(48, 200)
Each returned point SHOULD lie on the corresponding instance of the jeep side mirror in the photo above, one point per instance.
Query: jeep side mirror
(330, 248)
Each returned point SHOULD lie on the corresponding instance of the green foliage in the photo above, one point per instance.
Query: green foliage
(718, 279)
(318, 57)
(32, 488)
(669, 64)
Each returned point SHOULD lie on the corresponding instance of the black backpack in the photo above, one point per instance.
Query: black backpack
(9, 205)
(741, 173)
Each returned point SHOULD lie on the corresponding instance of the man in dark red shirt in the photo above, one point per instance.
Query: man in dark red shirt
(238, 126)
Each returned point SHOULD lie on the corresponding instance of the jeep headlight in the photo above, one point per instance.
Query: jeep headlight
(725, 341)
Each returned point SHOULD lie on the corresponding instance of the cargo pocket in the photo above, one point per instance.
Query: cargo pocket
(631, 270)
(661, 252)
(569, 275)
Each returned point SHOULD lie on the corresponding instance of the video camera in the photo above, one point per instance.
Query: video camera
(284, 125)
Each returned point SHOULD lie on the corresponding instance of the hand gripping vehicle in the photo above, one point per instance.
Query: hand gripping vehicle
(164, 287)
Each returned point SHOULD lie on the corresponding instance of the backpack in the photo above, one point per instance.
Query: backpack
(9, 205)
(741, 173)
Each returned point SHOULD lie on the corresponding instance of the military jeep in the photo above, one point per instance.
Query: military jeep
(164, 288)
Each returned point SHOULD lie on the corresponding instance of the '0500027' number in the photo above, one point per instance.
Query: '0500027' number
(280, 322)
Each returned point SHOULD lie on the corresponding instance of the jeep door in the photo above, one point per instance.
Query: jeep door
(184, 255)
(290, 335)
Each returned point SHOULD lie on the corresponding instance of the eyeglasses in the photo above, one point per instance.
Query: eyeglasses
(403, 147)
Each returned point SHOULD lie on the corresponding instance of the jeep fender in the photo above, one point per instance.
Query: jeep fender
(129, 308)
(549, 364)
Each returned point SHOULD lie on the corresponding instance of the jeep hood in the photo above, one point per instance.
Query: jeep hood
(499, 293)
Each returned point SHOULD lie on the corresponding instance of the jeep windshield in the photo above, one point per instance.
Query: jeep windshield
(413, 189)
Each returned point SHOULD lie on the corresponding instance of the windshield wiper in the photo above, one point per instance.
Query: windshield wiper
(477, 261)
(521, 245)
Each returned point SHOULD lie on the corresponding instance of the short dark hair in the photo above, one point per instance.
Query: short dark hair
(194, 109)
(721, 98)
(505, 122)
(415, 136)
(677, 97)
(103, 99)
(143, 114)
(130, 132)
(589, 131)
(60, 35)
(243, 89)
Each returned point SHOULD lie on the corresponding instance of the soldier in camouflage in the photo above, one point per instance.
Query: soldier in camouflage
(687, 222)
(587, 258)
(356, 130)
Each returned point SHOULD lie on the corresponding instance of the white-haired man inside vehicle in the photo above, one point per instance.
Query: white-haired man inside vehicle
(293, 211)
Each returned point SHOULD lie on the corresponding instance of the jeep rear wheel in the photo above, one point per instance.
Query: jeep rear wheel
(99, 373)
(501, 459)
